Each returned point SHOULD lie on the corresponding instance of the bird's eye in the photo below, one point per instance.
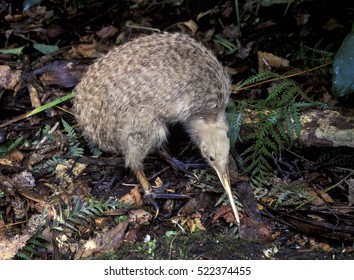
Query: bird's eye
(211, 158)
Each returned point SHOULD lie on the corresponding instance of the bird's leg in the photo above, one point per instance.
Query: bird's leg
(151, 193)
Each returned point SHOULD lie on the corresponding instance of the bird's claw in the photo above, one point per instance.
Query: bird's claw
(159, 193)
(150, 197)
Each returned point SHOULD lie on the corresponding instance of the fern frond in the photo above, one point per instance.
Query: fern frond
(95, 151)
(276, 135)
(296, 122)
(235, 122)
(314, 55)
(48, 166)
(290, 95)
(258, 78)
(34, 248)
(281, 129)
(71, 134)
(74, 149)
(278, 124)
(338, 157)
(78, 216)
(277, 91)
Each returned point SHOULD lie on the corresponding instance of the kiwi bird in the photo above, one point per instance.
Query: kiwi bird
(128, 97)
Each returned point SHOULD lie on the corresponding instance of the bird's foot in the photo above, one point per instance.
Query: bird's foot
(153, 193)
(160, 193)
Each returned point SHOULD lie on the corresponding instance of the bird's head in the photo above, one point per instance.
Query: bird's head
(211, 137)
(214, 146)
(210, 134)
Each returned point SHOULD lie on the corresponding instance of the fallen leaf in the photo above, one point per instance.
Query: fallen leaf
(133, 197)
(107, 242)
(9, 78)
(267, 61)
(107, 32)
(226, 213)
(332, 24)
(189, 223)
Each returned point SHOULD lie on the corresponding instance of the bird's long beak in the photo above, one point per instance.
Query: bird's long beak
(225, 181)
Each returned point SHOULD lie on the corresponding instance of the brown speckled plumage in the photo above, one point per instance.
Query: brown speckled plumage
(129, 95)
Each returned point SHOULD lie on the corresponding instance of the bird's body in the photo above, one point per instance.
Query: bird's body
(129, 96)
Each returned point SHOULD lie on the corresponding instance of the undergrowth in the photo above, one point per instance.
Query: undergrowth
(75, 218)
(70, 217)
(275, 123)
(74, 149)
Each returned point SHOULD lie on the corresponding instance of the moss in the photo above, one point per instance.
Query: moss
(190, 247)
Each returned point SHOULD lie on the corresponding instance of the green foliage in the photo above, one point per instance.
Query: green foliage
(95, 151)
(234, 116)
(16, 51)
(74, 149)
(50, 104)
(315, 55)
(78, 216)
(48, 166)
(336, 157)
(148, 248)
(45, 49)
(10, 145)
(45, 132)
(34, 248)
(229, 47)
(73, 219)
(277, 123)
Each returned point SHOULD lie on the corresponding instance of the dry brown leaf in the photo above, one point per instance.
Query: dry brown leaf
(14, 155)
(111, 240)
(65, 74)
(232, 32)
(4, 161)
(107, 32)
(332, 24)
(158, 182)
(35, 101)
(88, 50)
(264, 25)
(9, 247)
(319, 198)
(9, 78)
(202, 14)
(302, 18)
(139, 217)
(225, 212)
(192, 26)
(133, 197)
(267, 61)
(76, 169)
(189, 223)
(107, 242)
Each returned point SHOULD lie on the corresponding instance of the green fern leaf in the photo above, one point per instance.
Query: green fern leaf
(258, 78)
